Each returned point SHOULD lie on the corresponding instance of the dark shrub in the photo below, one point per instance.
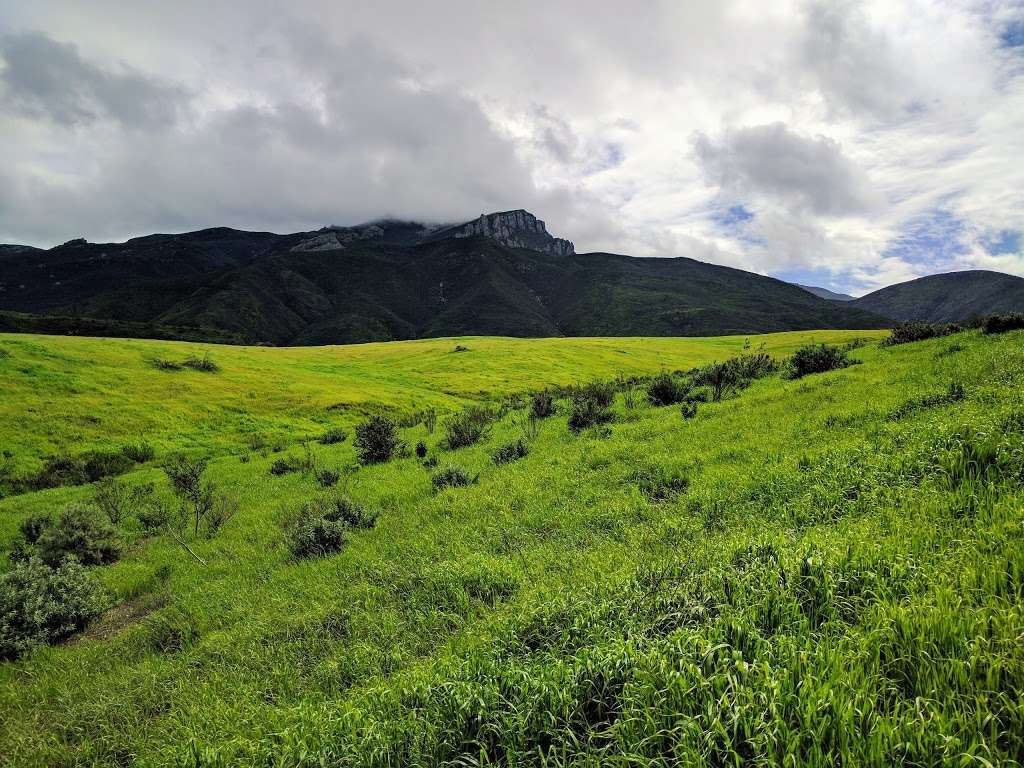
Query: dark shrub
(320, 527)
(421, 449)
(81, 531)
(513, 451)
(542, 405)
(153, 515)
(1003, 323)
(817, 358)
(327, 477)
(100, 464)
(332, 436)
(204, 364)
(587, 410)
(58, 471)
(721, 378)
(601, 392)
(460, 348)
(753, 365)
(32, 527)
(689, 409)
(430, 462)
(665, 389)
(468, 427)
(40, 604)
(163, 364)
(450, 477)
(284, 465)
(914, 330)
(376, 440)
(139, 452)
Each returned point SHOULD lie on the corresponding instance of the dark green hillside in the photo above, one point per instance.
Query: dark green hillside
(954, 297)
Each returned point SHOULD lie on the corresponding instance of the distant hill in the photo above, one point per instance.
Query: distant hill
(825, 293)
(500, 274)
(947, 298)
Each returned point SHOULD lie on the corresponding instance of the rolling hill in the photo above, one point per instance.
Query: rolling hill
(948, 298)
(501, 274)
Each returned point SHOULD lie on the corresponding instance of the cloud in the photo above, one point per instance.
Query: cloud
(46, 79)
(803, 173)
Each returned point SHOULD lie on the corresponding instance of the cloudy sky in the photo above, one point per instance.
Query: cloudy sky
(844, 144)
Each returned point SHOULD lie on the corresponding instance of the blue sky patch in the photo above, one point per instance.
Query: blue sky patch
(934, 238)
(1006, 241)
(1012, 35)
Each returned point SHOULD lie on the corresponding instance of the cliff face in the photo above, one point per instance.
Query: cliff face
(513, 229)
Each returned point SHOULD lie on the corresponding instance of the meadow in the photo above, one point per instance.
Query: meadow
(813, 571)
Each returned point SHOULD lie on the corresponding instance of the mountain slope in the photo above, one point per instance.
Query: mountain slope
(825, 293)
(400, 280)
(947, 298)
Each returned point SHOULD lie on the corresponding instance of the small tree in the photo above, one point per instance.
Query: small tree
(200, 504)
(376, 440)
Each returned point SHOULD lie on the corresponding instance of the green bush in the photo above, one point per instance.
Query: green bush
(469, 427)
(320, 527)
(421, 450)
(914, 330)
(40, 604)
(204, 363)
(79, 530)
(139, 452)
(665, 389)
(284, 465)
(1002, 323)
(327, 478)
(78, 470)
(542, 405)
(817, 358)
(332, 436)
(689, 409)
(588, 408)
(118, 500)
(659, 484)
(376, 440)
(513, 451)
(450, 477)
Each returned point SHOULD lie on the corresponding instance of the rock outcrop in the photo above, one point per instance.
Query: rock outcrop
(514, 229)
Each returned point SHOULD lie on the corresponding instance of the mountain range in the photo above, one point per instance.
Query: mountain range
(499, 274)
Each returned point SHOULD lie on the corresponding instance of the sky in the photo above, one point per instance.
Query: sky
(839, 143)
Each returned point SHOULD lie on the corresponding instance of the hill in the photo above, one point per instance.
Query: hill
(812, 573)
(499, 274)
(954, 297)
(825, 293)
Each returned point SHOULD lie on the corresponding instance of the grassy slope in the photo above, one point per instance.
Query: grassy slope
(812, 594)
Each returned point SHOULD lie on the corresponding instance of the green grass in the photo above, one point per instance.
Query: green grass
(827, 571)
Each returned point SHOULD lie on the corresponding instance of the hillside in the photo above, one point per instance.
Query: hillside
(502, 274)
(954, 297)
(816, 572)
(825, 293)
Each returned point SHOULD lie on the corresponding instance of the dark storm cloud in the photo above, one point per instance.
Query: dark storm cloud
(44, 78)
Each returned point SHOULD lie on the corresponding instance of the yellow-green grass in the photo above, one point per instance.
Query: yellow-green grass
(68, 394)
(818, 595)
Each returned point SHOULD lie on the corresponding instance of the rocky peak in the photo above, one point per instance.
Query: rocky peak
(515, 229)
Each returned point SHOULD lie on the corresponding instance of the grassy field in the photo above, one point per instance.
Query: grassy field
(827, 571)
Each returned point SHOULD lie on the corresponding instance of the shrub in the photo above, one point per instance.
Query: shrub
(40, 604)
(1003, 323)
(914, 330)
(332, 436)
(468, 427)
(376, 440)
(430, 462)
(118, 500)
(817, 358)
(81, 531)
(32, 527)
(513, 451)
(320, 527)
(601, 392)
(327, 477)
(450, 477)
(542, 405)
(665, 389)
(460, 348)
(421, 450)
(163, 364)
(100, 464)
(153, 516)
(201, 505)
(79, 470)
(284, 465)
(689, 409)
(588, 409)
(204, 363)
(139, 452)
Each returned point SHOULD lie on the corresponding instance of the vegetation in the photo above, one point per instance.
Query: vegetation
(817, 358)
(915, 330)
(376, 440)
(517, 449)
(78, 531)
(809, 574)
(1002, 323)
(333, 436)
(665, 389)
(450, 477)
(542, 405)
(467, 428)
